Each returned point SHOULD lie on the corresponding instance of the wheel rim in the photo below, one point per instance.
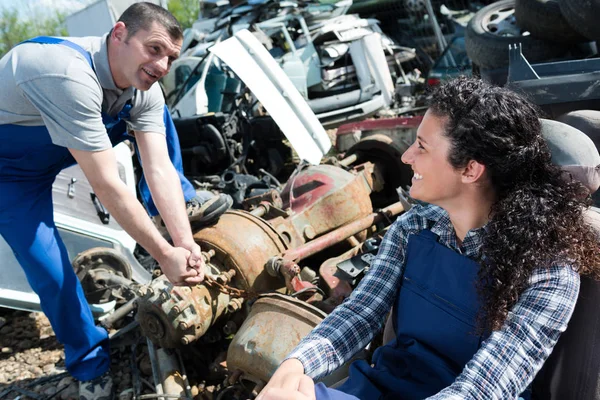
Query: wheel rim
(502, 22)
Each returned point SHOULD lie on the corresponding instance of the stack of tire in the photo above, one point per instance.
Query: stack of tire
(546, 29)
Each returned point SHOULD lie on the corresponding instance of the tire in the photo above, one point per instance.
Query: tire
(493, 28)
(543, 19)
(582, 15)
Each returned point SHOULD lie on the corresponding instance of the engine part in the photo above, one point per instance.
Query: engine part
(240, 242)
(104, 275)
(260, 345)
(342, 233)
(168, 373)
(320, 199)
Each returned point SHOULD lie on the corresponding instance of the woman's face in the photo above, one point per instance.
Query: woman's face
(434, 181)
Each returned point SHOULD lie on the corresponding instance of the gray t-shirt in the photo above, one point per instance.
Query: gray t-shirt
(53, 85)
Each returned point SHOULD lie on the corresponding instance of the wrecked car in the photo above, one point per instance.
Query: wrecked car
(344, 66)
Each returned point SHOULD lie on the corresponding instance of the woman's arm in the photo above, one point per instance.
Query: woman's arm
(509, 359)
(353, 324)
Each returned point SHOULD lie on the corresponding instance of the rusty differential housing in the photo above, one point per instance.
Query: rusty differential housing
(239, 244)
(316, 201)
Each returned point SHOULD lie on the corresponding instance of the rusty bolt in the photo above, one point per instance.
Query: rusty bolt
(225, 277)
(164, 295)
(234, 305)
(258, 388)
(141, 292)
(183, 325)
(273, 265)
(180, 307)
(208, 255)
(229, 274)
(309, 232)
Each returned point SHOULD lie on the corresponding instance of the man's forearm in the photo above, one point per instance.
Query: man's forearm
(132, 217)
(167, 194)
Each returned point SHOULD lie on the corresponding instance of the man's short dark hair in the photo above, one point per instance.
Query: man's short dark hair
(142, 15)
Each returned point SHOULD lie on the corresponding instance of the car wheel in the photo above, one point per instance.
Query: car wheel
(493, 28)
(544, 19)
(582, 15)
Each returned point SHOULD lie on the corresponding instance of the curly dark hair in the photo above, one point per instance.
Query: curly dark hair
(537, 217)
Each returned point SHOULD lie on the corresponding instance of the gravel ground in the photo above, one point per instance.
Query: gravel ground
(32, 364)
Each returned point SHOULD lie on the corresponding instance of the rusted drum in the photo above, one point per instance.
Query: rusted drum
(174, 316)
(275, 326)
(244, 243)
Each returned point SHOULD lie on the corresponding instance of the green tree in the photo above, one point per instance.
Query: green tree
(14, 30)
(186, 11)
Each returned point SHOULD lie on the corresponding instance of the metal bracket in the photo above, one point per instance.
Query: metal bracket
(519, 68)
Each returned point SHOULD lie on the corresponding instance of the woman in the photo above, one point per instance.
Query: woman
(483, 279)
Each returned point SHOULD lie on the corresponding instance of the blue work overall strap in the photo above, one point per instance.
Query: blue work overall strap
(436, 306)
(115, 127)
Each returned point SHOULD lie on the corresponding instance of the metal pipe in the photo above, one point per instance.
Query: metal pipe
(436, 26)
(155, 367)
(342, 233)
(353, 241)
(119, 313)
(260, 210)
(349, 160)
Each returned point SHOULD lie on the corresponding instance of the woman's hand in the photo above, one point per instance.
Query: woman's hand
(289, 382)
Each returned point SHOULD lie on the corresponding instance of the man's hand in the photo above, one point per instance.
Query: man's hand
(174, 264)
(195, 260)
(289, 382)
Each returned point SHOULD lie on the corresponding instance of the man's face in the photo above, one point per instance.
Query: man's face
(145, 57)
(435, 180)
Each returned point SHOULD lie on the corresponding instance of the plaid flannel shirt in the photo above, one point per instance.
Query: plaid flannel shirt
(507, 361)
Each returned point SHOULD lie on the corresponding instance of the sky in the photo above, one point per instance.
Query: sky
(45, 6)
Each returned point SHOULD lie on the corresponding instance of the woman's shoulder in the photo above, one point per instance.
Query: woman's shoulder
(419, 217)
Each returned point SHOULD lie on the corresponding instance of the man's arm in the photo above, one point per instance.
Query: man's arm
(100, 168)
(167, 194)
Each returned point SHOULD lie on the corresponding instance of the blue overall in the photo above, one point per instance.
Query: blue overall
(435, 323)
(29, 163)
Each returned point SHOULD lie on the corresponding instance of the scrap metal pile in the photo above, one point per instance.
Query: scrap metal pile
(344, 66)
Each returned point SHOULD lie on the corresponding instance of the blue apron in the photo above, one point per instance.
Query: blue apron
(29, 163)
(436, 311)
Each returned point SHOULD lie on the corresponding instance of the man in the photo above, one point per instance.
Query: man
(66, 101)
